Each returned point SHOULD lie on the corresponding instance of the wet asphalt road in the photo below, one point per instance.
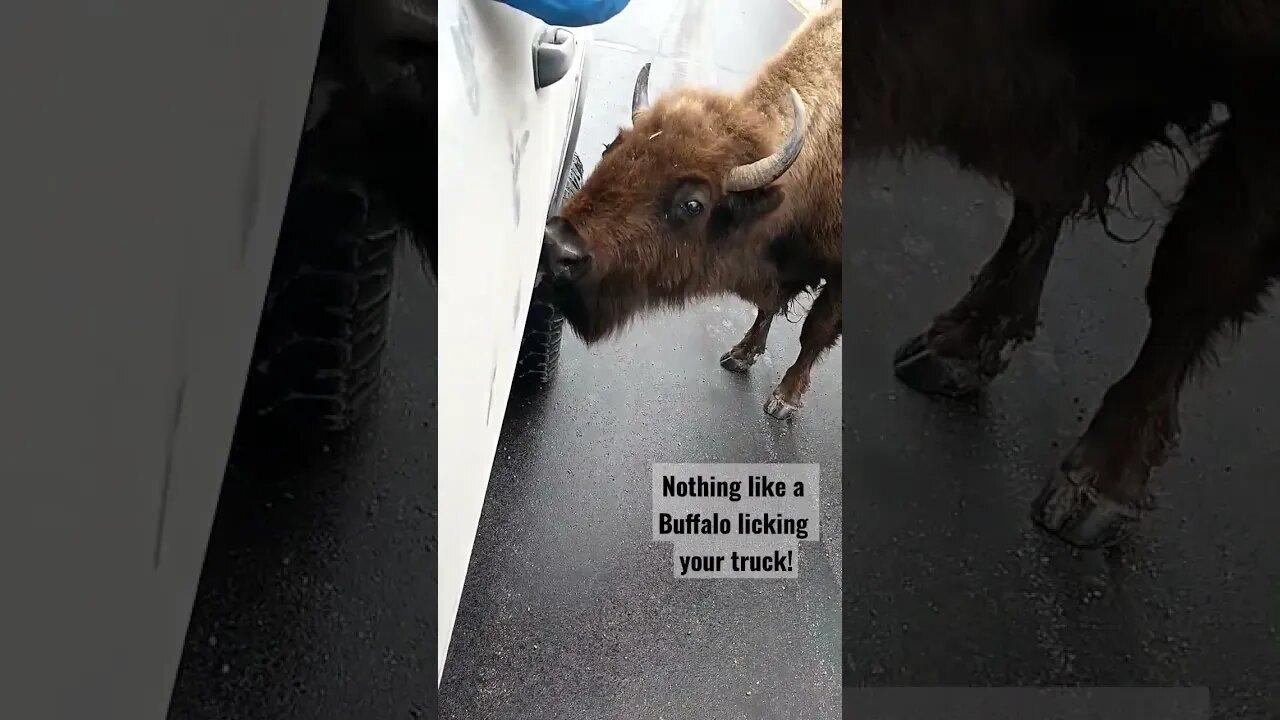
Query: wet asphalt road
(949, 583)
(569, 609)
(316, 600)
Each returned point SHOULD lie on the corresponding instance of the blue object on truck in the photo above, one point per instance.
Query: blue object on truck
(569, 13)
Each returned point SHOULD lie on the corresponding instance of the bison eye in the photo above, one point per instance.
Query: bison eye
(692, 207)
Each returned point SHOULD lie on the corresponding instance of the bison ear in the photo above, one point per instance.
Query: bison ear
(739, 210)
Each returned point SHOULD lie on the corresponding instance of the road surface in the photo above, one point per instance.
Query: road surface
(315, 601)
(949, 583)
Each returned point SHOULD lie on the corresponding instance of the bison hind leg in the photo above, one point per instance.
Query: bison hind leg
(966, 347)
(821, 330)
(742, 356)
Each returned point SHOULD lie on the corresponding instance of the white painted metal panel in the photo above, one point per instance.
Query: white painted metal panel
(501, 145)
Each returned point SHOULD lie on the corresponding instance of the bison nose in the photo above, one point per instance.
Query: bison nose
(563, 256)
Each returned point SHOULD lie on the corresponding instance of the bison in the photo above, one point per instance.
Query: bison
(711, 193)
(1055, 100)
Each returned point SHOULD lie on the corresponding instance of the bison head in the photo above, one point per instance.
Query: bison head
(674, 210)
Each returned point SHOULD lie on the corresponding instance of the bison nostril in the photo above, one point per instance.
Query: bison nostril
(569, 263)
(570, 257)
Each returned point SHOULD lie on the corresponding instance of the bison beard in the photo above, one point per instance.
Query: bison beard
(591, 317)
(1052, 99)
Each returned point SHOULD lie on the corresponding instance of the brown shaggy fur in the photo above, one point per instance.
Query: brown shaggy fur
(765, 245)
(1052, 99)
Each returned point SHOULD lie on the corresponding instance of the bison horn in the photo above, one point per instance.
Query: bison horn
(640, 95)
(766, 170)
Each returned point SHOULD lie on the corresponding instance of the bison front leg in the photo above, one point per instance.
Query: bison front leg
(965, 348)
(1219, 253)
(742, 356)
(820, 332)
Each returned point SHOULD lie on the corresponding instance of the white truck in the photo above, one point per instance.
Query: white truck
(511, 103)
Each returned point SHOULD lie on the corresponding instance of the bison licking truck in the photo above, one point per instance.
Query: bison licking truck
(711, 193)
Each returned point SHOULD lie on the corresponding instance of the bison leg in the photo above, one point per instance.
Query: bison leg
(966, 347)
(742, 356)
(1219, 253)
(820, 332)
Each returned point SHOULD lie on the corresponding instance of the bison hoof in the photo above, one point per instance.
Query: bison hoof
(737, 361)
(778, 408)
(1076, 512)
(921, 368)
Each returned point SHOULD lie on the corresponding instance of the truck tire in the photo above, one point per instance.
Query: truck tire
(318, 357)
(539, 354)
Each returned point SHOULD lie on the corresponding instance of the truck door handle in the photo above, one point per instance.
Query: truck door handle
(552, 56)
